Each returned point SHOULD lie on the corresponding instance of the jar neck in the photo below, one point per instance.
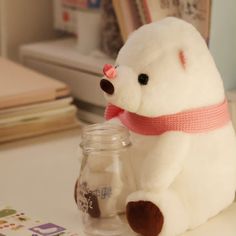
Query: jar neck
(104, 137)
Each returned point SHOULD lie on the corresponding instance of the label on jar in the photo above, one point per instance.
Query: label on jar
(88, 199)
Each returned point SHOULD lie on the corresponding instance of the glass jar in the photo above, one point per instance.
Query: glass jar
(105, 179)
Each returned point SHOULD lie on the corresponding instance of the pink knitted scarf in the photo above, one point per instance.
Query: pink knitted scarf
(192, 121)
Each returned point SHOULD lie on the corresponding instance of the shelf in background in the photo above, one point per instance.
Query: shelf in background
(65, 53)
(61, 60)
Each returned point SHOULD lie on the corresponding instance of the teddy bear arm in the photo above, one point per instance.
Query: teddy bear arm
(164, 162)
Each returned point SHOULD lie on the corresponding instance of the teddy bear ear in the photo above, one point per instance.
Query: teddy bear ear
(182, 58)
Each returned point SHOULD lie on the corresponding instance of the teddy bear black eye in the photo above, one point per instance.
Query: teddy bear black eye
(143, 79)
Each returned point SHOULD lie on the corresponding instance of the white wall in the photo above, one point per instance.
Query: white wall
(223, 39)
(24, 21)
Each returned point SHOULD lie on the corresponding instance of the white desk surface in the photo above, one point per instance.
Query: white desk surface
(38, 176)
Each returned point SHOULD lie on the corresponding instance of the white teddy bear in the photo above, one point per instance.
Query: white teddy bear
(166, 89)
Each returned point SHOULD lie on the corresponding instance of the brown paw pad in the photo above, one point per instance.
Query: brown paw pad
(144, 218)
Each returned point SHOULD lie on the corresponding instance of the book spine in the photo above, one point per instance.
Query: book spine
(146, 11)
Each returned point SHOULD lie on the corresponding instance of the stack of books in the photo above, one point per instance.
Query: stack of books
(32, 104)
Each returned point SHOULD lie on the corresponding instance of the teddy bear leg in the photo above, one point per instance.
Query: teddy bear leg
(152, 214)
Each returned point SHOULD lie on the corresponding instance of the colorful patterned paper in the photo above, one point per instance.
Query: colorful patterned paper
(18, 223)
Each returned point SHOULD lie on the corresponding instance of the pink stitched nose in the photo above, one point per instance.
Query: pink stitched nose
(109, 71)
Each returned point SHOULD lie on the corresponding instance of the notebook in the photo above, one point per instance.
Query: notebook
(35, 108)
(32, 104)
(38, 123)
(21, 86)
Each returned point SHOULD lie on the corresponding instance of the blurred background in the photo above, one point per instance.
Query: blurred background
(52, 53)
(71, 40)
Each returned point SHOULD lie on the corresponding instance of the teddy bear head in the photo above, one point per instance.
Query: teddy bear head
(164, 68)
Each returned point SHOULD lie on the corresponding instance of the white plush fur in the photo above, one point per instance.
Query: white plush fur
(190, 177)
(153, 49)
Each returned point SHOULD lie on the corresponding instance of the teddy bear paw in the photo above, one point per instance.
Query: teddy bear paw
(144, 217)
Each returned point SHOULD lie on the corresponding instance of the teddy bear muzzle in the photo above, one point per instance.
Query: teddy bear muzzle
(107, 86)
